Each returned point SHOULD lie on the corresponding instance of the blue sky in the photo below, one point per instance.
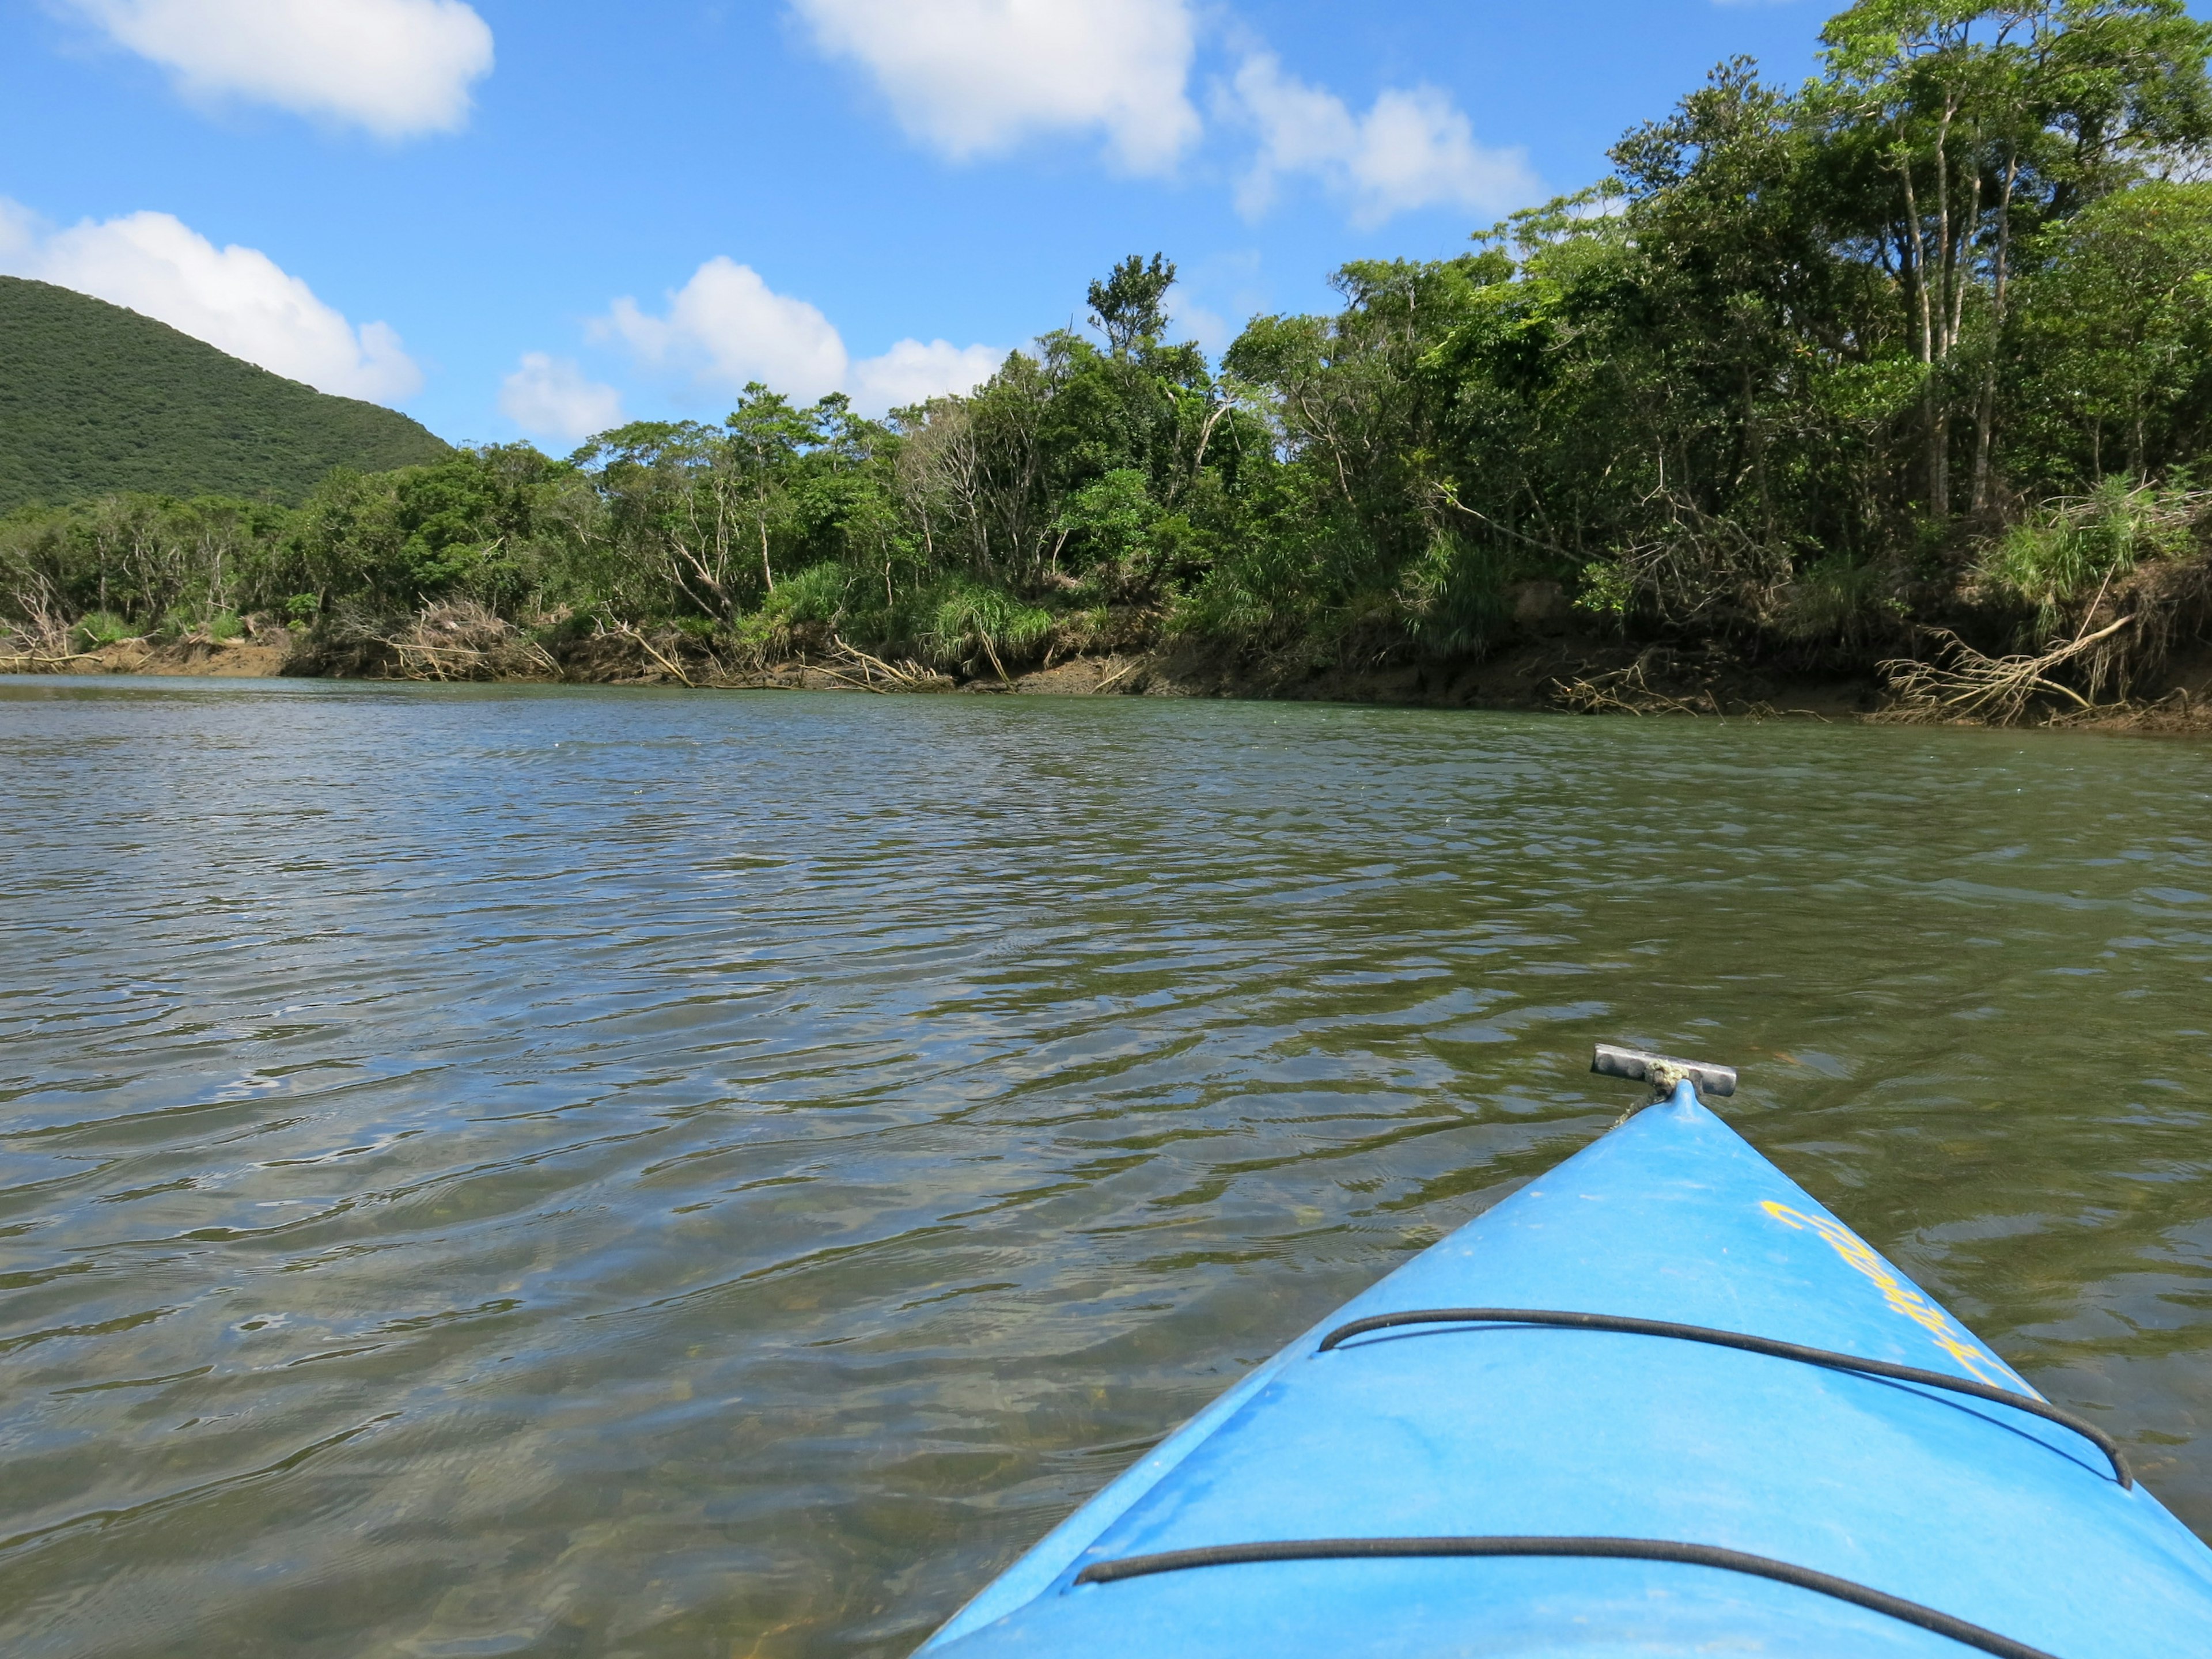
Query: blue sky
(517, 219)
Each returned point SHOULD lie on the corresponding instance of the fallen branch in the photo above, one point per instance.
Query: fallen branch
(910, 675)
(1626, 691)
(646, 646)
(1119, 673)
(37, 661)
(857, 685)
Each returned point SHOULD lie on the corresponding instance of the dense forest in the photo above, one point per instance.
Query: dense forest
(96, 399)
(1914, 359)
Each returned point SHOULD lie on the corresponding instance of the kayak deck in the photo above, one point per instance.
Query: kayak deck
(1437, 1436)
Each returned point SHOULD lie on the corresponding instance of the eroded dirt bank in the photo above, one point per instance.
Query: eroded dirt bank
(1559, 671)
(242, 659)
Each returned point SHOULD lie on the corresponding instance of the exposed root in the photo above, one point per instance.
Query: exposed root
(1969, 687)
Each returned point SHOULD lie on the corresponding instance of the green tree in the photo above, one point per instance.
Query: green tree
(1976, 112)
(2116, 362)
(1126, 306)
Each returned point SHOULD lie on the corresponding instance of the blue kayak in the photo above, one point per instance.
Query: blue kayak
(1658, 1402)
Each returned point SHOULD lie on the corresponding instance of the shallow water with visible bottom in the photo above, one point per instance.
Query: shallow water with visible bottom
(501, 1171)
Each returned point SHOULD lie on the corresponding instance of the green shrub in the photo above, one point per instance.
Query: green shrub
(969, 621)
(1607, 589)
(1224, 607)
(97, 629)
(1456, 596)
(1836, 599)
(2080, 543)
(815, 595)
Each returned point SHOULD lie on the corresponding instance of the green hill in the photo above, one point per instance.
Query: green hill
(94, 399)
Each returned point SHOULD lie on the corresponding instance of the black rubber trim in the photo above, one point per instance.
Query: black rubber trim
(1822, 1357)
(1613, 1549)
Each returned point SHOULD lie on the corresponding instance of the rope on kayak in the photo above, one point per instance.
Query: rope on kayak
(1613, 1549)
(1821, 1356)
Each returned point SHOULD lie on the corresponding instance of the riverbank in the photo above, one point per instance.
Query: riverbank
(1561, 672)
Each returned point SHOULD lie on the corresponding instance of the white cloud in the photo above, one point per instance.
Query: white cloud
(21, 232)
(726, 327)
(972, 77)
(237, 298)
(1209, 328)
(396, 67)
(912, 373)
(1413, 149)
(550, 398)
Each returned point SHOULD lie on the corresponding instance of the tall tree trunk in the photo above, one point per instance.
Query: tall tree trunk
(1947, 276)
(1923, 304)
(1985, 415)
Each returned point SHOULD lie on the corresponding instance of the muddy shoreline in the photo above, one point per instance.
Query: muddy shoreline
(1560, 675)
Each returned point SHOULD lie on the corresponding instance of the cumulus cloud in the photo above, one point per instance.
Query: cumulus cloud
(236, 299)
(972, 77)
(726, 327)
(21, 232)
(397, 67)
(1413, 149)
(912, 373)
(551, 398)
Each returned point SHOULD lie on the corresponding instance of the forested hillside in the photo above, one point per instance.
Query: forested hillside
(95, 399)
(1912, 361)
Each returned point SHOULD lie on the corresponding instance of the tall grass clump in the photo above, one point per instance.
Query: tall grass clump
(1456, 596)
(816, 597)
(967, 620)
(2077, 545)
(1836, 600)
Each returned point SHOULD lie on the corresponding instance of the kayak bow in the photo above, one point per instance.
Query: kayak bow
(1658, 1401)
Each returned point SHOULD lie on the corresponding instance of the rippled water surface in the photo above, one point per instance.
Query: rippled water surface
(492, 1171)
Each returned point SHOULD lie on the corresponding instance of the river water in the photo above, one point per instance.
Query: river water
(549, 1172)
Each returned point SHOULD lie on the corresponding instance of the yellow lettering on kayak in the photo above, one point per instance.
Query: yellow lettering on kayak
(1901, 1297)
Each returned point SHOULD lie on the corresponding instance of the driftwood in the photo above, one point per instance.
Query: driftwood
(909, 676)
(459, 662)
(40, 642)
(36, 662)
(461, 640)
(1968, 685)
(1626, 691)
(1118, 674)
(2176, 711)
(630, 632)
(1629, 692)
